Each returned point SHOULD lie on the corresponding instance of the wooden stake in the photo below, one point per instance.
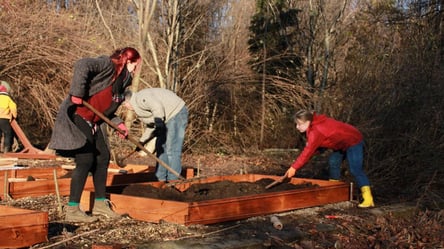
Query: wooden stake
(56, 184)
(5, 188)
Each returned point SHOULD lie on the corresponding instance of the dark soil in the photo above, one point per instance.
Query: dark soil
(210, 191)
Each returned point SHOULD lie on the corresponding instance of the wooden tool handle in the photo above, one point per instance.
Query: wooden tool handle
(276, 182)
(133, 140)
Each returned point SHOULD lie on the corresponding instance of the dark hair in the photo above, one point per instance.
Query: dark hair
(303, 115)
(121, 56)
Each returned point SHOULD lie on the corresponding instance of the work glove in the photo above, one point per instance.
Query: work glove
(158, 123)
(76, 100)
(123, 133)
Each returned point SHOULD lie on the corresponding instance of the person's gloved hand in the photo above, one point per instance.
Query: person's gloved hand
(76, 100)
(122, 128)
(158, 123)
(290, 172)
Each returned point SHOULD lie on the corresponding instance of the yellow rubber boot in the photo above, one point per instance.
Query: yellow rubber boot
(367, 196)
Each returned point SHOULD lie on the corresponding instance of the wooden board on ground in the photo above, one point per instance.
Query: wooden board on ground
(44, 187)
(227, 209)
(8, 161)
(43, 183)
(21, 227)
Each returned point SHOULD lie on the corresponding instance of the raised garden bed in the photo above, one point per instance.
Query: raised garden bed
(21, 227)
(173, 205)
(30, 182)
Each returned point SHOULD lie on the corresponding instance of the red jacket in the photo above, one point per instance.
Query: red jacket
(325, 132)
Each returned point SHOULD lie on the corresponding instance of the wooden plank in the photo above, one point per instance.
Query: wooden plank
(26, 155)
(40, 188)
(44, 187)
(36, 173)
(8, 163)
(110, 170)
(243, 207)
(2, 158)
(137, 168)
(140, 209)
(46, 173)
(22, 228)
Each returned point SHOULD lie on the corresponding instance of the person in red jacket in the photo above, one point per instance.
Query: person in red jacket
(344, 139)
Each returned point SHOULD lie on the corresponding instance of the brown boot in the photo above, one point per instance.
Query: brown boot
(102, 207)
(74, 214)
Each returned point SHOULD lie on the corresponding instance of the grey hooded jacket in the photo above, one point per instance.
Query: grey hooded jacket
(153, 103)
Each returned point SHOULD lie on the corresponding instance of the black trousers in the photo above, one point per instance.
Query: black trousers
(6, 129)
(93, 157)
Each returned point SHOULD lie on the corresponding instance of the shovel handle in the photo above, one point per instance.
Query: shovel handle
(280, 180)
(133, 140)
(120, 161)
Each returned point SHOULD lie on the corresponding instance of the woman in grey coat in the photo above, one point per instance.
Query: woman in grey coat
(77, 133)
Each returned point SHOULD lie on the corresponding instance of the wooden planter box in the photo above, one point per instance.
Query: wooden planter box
(45, 184)
(12, 180)
(16, 185)
(21, 227)
(220, 210)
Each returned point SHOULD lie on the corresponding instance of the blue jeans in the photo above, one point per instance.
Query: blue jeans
(169, 146)
(355, 158)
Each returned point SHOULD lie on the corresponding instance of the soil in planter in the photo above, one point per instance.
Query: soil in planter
(211, 191)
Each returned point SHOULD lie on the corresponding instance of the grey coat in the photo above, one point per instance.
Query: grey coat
(91, 75)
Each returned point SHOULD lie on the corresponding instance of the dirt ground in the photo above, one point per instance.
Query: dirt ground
(340, 225)
(210, 191)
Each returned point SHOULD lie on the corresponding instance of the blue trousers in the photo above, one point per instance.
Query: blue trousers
(169, 146)
(355, 158)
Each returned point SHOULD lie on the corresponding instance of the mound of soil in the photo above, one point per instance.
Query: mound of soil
(210, 191)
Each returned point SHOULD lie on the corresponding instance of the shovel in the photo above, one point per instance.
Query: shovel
(276, 182)
(121, 161)
(133, 140)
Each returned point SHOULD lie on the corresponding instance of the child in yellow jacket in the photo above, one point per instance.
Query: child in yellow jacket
(8, 111)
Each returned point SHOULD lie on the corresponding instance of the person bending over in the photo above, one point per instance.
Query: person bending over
(344, 139)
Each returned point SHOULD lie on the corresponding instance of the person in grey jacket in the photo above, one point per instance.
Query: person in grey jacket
(165, 114)
(78, 132)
